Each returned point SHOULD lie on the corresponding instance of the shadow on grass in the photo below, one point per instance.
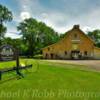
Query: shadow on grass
(13, 78)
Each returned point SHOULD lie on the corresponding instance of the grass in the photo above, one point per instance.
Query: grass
(52, 81)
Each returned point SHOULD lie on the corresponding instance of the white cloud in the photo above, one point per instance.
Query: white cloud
(12, 35)
(44, 15)
(25, 15)
(12, 32)
(61, 20)
(56, 20)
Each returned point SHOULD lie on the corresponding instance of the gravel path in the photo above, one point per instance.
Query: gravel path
(92, 64)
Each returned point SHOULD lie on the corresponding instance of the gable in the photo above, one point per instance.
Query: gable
(75, 34)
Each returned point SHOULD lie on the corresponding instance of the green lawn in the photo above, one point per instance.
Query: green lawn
(51, 81)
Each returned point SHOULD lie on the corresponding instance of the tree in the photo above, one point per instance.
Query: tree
(95, 35)
(47, 35)
(28, 29)
(36, 35)
(5, 15)
(2, 31)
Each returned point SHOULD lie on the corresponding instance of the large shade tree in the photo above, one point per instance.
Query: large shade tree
(5, 15)
(36, 35)
(28, 30)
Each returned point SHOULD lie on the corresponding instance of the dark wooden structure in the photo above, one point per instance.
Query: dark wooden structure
(8, 53)
(2, 71)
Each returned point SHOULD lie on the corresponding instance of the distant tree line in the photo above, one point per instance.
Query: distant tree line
(95, 35)
(35, 35)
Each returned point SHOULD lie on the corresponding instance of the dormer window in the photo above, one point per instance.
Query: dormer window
(75, 35)
(75, 38)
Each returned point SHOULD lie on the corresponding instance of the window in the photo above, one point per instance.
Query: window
(75, 35)
(65, 52)
(85, 53)
(52, 55)
(46, 56)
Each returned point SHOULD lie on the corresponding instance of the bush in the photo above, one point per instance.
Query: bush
(39, 56)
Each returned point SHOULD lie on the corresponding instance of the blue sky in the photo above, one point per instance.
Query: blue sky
(59, 14)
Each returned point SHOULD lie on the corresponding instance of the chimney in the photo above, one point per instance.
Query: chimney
(76, 26)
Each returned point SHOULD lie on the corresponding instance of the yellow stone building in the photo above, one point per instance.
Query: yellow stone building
(75, 45)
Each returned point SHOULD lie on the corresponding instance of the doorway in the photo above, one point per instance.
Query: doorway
(75, 54)
(52, 56)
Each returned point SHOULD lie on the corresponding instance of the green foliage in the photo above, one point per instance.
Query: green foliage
(95, 35)
(36, 35)
(5, 15)
(38, 56)
(16, 43)
(2, 31)
(62, 35)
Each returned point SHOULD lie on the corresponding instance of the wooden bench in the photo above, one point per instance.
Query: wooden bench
(2, 71)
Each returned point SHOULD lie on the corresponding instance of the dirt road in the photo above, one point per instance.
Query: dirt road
(92, 64)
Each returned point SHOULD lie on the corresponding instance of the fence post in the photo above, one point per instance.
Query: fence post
(0, 75)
